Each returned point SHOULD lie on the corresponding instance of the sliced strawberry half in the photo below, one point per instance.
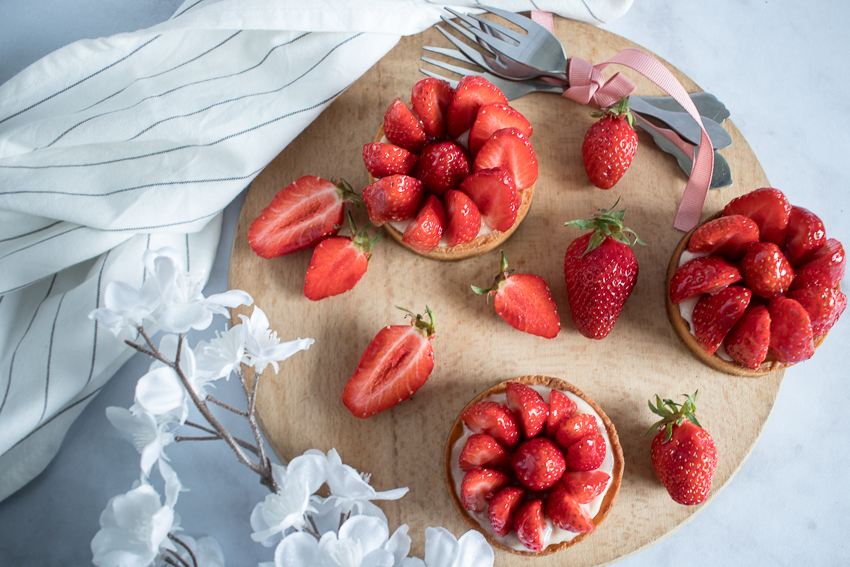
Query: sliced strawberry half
(538, 463)
(494, 419)
(715, 315)
(503, 508)
(424, 232)
(587, 454)
(442, 166)
(430, 98)
(585, 485)
(482, 450)
(766, 270)
(728, 237)
(472, 92)
(529, 408)
(479, 485)
(826, 267)
(566, 513)
(561, 408)
(530, 525)
(791, 338)
(493, 117)
(393, 198)
(768, 207)
(495, 194)
(402, 128)
(383, 159)
(462, 217)
(510, 150)
(575, 428)
(823, 304)
(805, 236)
(705, 274)
(748, 341)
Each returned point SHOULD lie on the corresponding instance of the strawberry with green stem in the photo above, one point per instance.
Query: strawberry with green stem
(610, 145)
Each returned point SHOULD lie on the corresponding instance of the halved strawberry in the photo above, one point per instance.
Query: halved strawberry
(482, 450)
(430, 98)
(530, 525)
(587, 454)
(403, 128)
(823, 304)
(573, 429)
(528, 407)
(561, 408)
(805, 235)
(826, 267)
(791, 338)
(705, 274)
(766, 270)
(393, 198)
(300, 215)
(395, 364)
(748, 341)
(494, 193)
(565, 512)
(479, 485)
(538, 463)
(768, 207)
(442, 166)
(585, 485)
(493, 117)
(503, 507)
(509, 149)
(715, 315)
(728, 237)
(493, 419)
(462, 216)
(382, 160)
(472, 92)
(424, 232)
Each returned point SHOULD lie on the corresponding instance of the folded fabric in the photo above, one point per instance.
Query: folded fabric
(112, 146)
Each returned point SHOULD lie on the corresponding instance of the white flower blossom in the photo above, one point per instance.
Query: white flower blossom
(263, 345)
(222, 355)
(351, 491)
(442, 549)
(125, 306)
(149, 437)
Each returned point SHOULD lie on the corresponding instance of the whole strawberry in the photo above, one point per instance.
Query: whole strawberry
(609, 146)
(683, 453)
(601, 270)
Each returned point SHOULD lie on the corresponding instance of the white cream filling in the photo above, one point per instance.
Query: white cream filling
(686, 307)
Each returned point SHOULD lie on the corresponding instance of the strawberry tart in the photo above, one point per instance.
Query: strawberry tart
(534, 465)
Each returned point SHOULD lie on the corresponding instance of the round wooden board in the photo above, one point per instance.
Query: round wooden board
(300, 408)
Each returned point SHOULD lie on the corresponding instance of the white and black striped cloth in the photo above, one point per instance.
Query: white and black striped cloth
(112, 146)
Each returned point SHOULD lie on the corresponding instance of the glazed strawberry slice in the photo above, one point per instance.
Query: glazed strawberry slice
(462, 217)
(493, 117)
(442, 166)
(430, 99)
(472, 92)
(576, 428)
(561, 408)
(587, 454)
(495, 194)
(300, 215)
(528, 407)
(503, 508)
(494, 419)
(826, 267)
(382, 160)
(728, 237)
(748, 341)
(538, 463)
(402, 128)
(766, 270)
(768, 207)
(715, 315)
(482, 450)
(510, 150)
(530, 525)
(479, 485)
(823, 304)
(804, 237)
(705, 274)
(393, 198)
(395, 364)
(585, 485)
(566, 513)
(791, 338)
(423, 234)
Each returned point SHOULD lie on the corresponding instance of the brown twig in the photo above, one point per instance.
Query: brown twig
(226, 406)
(174, 538)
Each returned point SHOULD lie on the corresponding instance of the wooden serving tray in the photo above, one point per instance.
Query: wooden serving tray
(300, 408)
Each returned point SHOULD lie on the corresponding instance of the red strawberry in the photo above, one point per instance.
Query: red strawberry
(503, 507)
(609, 146)
(768, 207)
(715, 315)
(587, 454)
(528, 407)
(791, 338)
(472, 92)
(601, 270)
(524, 301)
(494, 193)
(480, 485)
(393, 198)
(493, 117)
(564, 511)
(382, 160)
(402, 128)
(823, 304)
(299, 216)
(749, 339)
(423, 234)
(510, 150)
(766, 270)
(561, 408)
(338, 263)
(826, 267)
(706, 274)
(585, 485)
(728, 237)
(575, 428)
(530, 525)
(482, 450)
(683, 453)
(463, 218)
(493, 419)
(442, 166)
(430, 98)
(397, 362)
(805, 235)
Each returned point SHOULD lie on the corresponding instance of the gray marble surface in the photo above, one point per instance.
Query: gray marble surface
(780, 66)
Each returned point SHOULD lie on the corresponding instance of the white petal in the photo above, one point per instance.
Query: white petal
(161, 523)
(173, 486)
(369, 532)
(281, 352)
(232, 298)
(160, 391)
(474, 551)
(441, 548)
(180, 317)
(122, 419)
(120, 296)
(297, 550)
(311, 471)
(340, 552)
(150, 454)
(393, 494)
(412, 562)
(378, 558)
(399, 544)
(112, 547)
(209, 552)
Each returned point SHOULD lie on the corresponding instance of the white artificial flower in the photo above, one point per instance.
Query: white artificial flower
(161, 391)
(351, 491)
(207, 552)
(263, 345)
(149, 437)
(125, 306)
(442, 549)
(222, 354)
